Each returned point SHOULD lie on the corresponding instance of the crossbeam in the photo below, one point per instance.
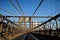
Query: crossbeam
(33, 16)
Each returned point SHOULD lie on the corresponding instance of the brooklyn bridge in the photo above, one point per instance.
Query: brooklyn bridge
(17, 23)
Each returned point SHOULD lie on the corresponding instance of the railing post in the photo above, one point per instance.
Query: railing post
(30, 20)
(1, 26)
(19, 21)
(57, 30)
(56, 23)
(44, 28)
(50, 30)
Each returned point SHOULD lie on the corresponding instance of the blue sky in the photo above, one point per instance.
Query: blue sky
(47, 8)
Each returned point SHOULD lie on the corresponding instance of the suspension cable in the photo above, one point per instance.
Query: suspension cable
(37, 7)
(15, 7)
(6, 11)
(20, 7)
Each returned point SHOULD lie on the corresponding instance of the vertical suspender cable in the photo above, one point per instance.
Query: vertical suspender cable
(15, 7)
(19, 7)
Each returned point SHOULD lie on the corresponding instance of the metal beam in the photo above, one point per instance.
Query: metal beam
(32, 16)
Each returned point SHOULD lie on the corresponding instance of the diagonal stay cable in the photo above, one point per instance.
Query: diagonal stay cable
(6, 11)
(15, 7)
(20, 7)
(37, 7)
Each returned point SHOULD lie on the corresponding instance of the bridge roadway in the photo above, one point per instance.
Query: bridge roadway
(20, 37)
(33, 36)
(27, 36)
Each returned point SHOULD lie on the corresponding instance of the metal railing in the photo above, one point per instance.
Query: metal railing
(8, 29)
(50, 27)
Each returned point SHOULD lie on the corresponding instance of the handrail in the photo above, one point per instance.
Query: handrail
(7, 19)
(48, 20)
